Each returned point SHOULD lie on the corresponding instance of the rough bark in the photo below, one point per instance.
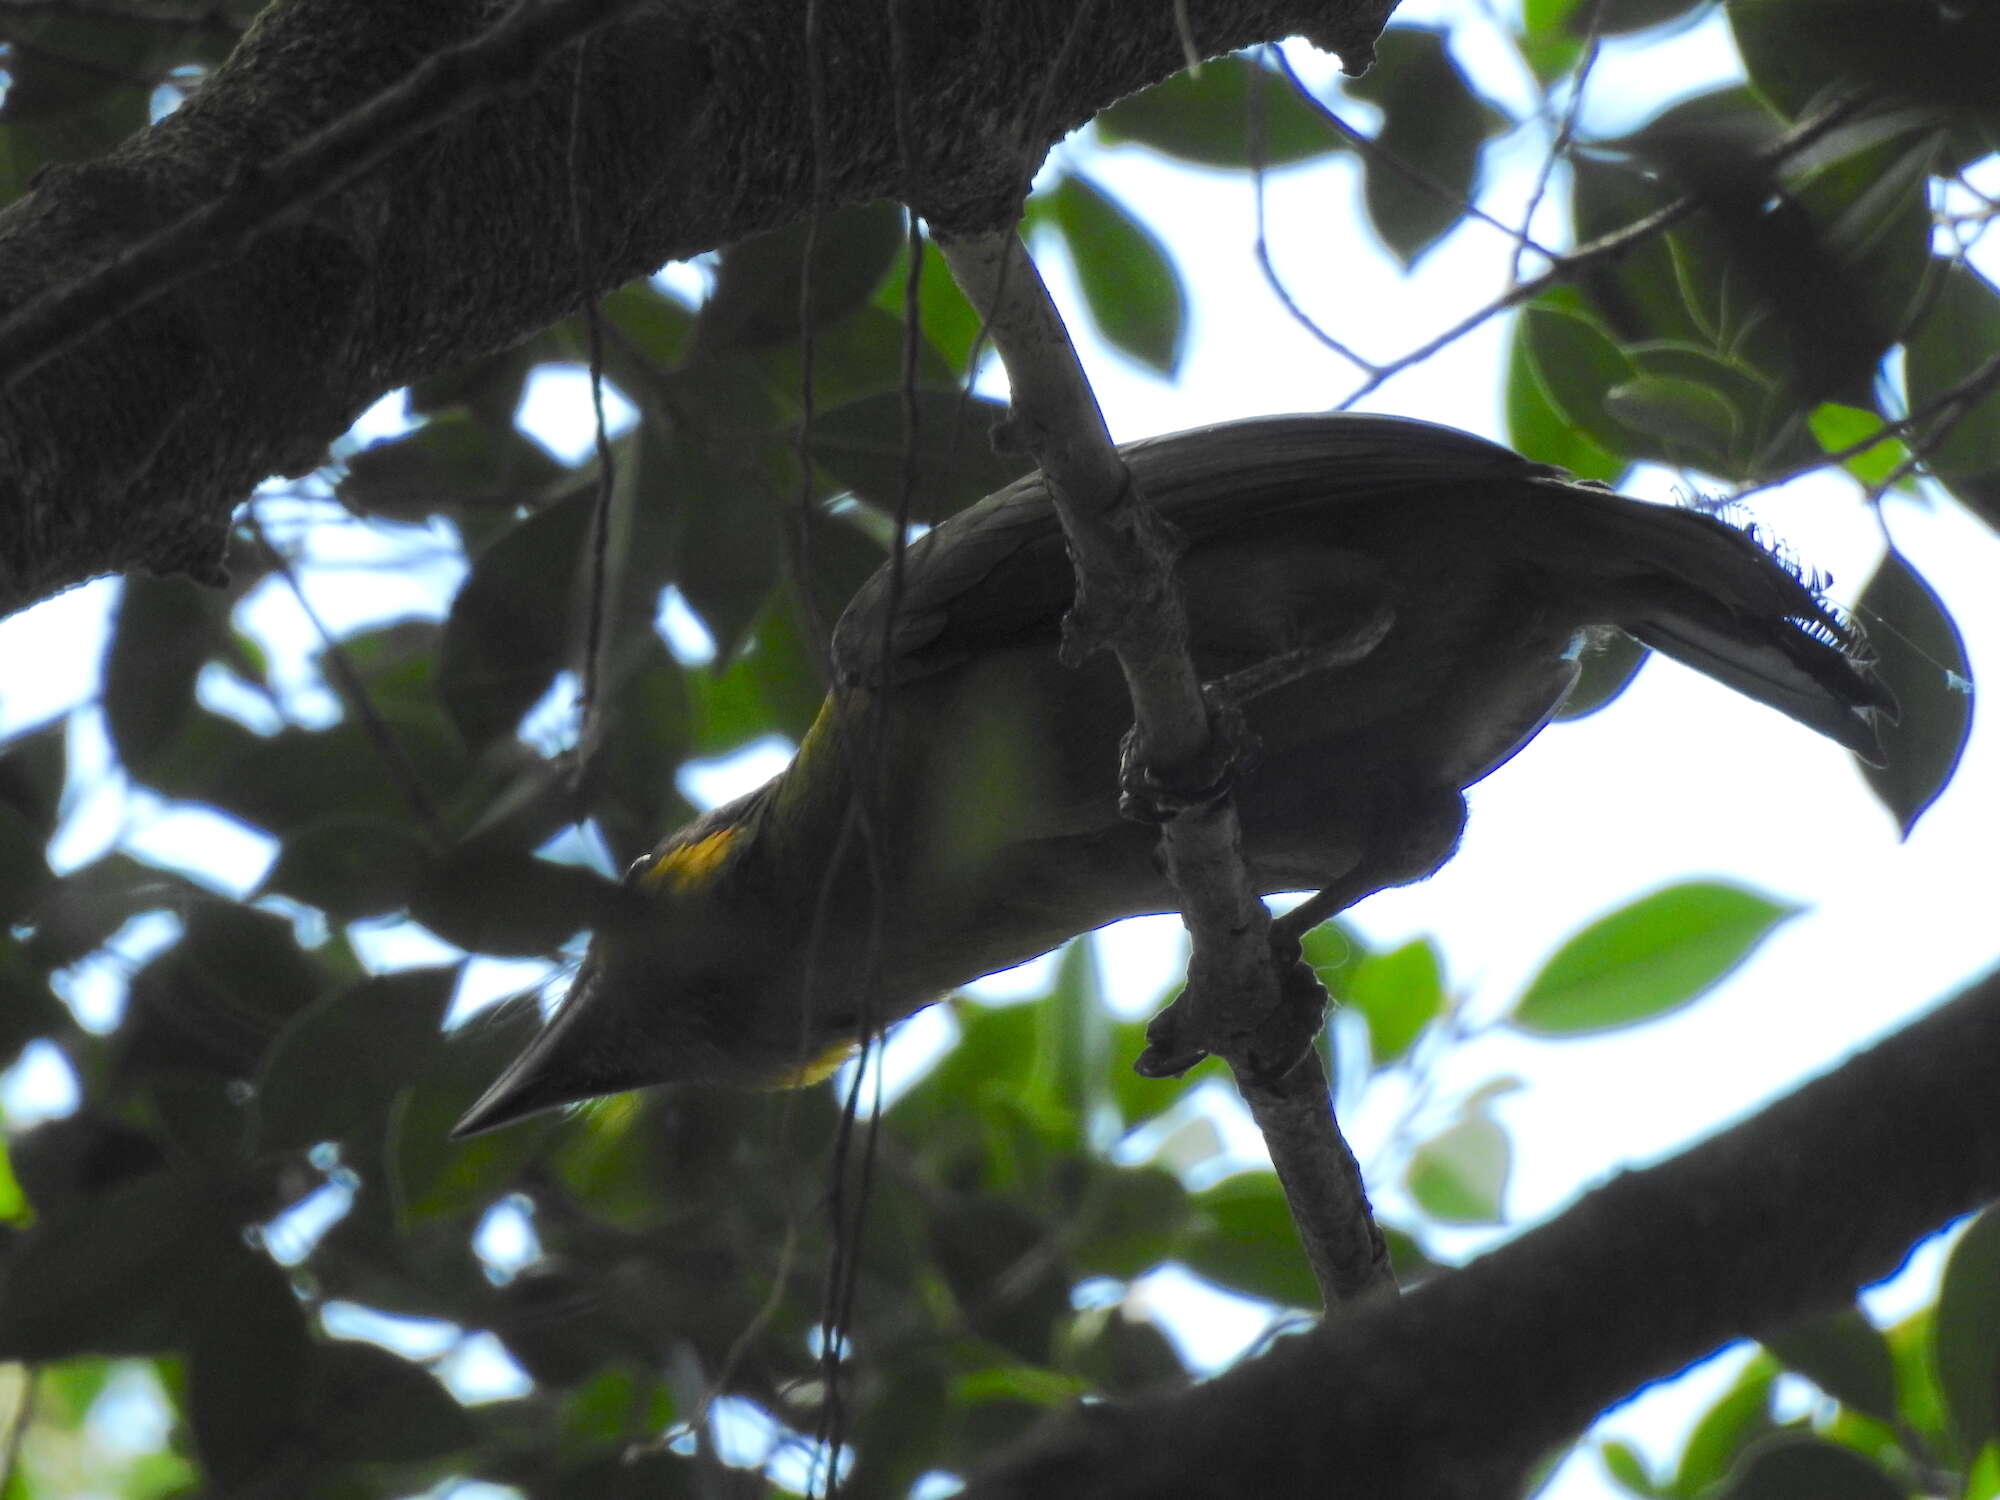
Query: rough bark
(131, 448)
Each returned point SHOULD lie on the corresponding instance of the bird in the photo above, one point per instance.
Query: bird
(955, 807)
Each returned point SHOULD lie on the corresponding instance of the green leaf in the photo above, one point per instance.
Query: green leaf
(1681, 413)
(1537, 429)
(1128, 276)
(1128, 1221)
(1435, 126)
(1576, 364)
(1399, 993)
(1921, 656)
(950, 324)
(1209, 120)
(1247, 1242)
(1460, 1175)
(1845, 1356)
(1966, 1334)
(1837, 427)
(1075, 1041)
(1738, 1418)
(1661, 952)
(1628, 1469)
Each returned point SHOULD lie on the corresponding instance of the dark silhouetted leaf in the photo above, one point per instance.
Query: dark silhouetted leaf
(511, 626)
(350, 867)
(864, 445)
(1608, 667)
(1966, 1336)
(1432, 124)
(455, 459)
(135, 1270)
(166, 629)
(367, 1404)
(1207, 120)
(1958, 336)
(756, 297)
(335, 1067)
(508, 903)
(1845, 1356)
(1795, 1466)
(247, 1376)
(214, 1001)
(1921, 656)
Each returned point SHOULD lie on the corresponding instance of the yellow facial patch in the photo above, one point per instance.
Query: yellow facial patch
(807, 1074)
(681, 870)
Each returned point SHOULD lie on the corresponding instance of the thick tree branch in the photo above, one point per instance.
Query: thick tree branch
(131, 449)
(1454, 1391)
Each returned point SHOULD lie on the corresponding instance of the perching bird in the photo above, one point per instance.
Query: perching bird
(954, 809)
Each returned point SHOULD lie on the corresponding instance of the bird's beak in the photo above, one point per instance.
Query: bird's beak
(576, 1057)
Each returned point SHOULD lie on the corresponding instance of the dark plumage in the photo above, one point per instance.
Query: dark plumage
(747, 947)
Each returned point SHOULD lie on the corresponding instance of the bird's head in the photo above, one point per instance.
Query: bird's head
(693, 974)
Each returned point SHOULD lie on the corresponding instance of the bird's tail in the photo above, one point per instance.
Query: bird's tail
(1715, 597)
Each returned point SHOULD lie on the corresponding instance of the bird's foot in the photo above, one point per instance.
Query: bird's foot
(1272, 1047)
(1149, 793)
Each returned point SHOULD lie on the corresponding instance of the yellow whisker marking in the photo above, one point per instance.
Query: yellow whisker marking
(691, 864)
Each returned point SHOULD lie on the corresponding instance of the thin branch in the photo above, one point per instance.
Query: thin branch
(1374, 151)
(354, 694)
(445, 84)
(1261, 246)
(1565, 132)
(1606, 247)
(591, 710)
(1128, 600)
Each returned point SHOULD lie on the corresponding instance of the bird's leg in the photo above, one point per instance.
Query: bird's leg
(1288, 667)
(1150, 794)
(1408, 845)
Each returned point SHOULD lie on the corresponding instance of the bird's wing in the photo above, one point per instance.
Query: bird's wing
(1690, 585)
(997, 572)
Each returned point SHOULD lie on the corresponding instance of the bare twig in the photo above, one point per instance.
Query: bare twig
(1565, 132)
(444, 85)
(353, 692)
(1254, 148)
(1371, 149)
(1128, 600)
(1606, 247)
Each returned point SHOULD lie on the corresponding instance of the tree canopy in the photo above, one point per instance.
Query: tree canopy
(231, 228)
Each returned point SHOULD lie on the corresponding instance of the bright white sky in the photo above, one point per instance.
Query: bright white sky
(1679, 779)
